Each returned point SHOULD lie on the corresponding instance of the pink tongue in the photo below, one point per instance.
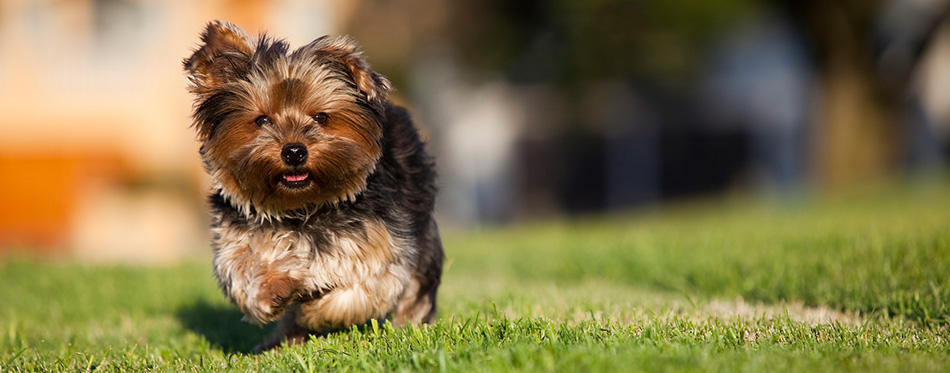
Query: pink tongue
(300, 177)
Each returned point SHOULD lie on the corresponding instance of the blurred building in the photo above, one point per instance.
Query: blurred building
(96, 157)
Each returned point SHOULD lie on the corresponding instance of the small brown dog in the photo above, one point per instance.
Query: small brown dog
(322, 192)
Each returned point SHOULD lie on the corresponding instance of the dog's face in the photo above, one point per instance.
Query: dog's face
(283, 131)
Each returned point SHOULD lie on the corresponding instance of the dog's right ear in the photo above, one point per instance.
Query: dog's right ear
(224, 56)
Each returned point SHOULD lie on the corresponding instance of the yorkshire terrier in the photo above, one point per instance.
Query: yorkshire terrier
(322, 192)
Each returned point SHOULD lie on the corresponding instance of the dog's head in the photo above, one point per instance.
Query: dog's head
(283, 131)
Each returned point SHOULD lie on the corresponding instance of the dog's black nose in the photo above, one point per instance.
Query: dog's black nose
(294, 154)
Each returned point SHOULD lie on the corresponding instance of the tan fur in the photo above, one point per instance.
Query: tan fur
(365, 275)
(374, 85)
(412, 308)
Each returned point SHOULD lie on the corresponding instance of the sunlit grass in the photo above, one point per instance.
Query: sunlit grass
(884, 253)
(704, 286)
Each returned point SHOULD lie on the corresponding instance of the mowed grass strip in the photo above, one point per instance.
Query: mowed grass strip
(883, 253)
(707, 286)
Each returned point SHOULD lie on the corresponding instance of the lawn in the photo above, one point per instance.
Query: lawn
(843, 282)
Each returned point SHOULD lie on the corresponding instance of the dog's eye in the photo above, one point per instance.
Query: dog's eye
(321, 118)
(262, 121)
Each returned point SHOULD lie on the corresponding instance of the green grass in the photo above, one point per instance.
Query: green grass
(706, 286)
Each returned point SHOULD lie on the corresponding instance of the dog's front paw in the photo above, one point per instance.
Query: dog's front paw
(274, 295)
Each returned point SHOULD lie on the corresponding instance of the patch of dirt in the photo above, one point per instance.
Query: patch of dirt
(730, 310)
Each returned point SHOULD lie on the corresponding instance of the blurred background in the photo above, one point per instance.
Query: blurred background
(535, 109)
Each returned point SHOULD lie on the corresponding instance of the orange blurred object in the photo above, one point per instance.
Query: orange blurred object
(39, 195)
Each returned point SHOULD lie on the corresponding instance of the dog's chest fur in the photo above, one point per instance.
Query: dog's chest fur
(352, 268)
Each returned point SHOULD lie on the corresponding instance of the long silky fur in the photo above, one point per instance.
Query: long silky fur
(360, 242)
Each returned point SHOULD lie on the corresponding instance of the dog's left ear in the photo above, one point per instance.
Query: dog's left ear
(346, 51)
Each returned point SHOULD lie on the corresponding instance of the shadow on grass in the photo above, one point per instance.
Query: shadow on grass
(222, 327)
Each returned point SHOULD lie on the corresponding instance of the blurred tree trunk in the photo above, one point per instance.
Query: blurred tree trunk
(857, 133)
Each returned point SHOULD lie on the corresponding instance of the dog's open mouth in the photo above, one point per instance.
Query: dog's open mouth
(295, 180)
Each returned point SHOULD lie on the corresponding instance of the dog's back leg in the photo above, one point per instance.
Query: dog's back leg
(417, 303)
